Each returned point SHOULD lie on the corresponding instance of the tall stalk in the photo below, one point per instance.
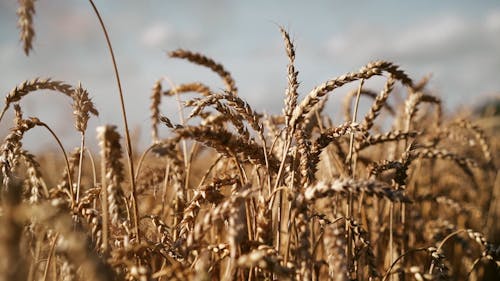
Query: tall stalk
(127, 134)
(352, 166)
(80, 163)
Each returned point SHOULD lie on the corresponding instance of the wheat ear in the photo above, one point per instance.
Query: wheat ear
(25, 14)
(29, 86)
(291, 90)
(371, 69)
(200, 59)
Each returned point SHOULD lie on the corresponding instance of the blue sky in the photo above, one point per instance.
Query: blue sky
(458, 42)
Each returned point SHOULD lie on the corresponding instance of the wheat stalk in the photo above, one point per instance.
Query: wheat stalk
(125, 123)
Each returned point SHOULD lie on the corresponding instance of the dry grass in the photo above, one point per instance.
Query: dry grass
(234, 194)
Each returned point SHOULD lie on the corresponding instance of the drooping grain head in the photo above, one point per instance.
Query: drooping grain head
(25, 14)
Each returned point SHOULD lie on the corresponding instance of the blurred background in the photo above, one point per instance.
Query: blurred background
(457, 42)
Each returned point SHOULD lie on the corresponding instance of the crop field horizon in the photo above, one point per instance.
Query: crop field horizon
(390, 185)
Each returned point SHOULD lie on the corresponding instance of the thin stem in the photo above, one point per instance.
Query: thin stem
(494, 201)
(280, 200)
(291, 218)
(185, 156)
(192, 153)
(183, 123)
(272, 195)
(354, 117)
(404, 244)
(3, 111)
(283, 160)
(431, 268)
(352, 167)
(264, 147)
(476, 262)
(243, 178)
(164, 191)
(92, 163)
(141, 160)
(80, 162)
(322, 130)
(391, 232)
(49, 259)
(207, 173)
(289, 212)
(127, 134)
(70, 181)
(400, 257)
(104, 206)
(33, 265)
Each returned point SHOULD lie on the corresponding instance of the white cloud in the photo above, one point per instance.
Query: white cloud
(492, 21)
(82, 26)
(461, 52)
(436, 33)
(157, 34)
(433, 35)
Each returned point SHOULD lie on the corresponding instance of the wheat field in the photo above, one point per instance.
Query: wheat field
(401, 191)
